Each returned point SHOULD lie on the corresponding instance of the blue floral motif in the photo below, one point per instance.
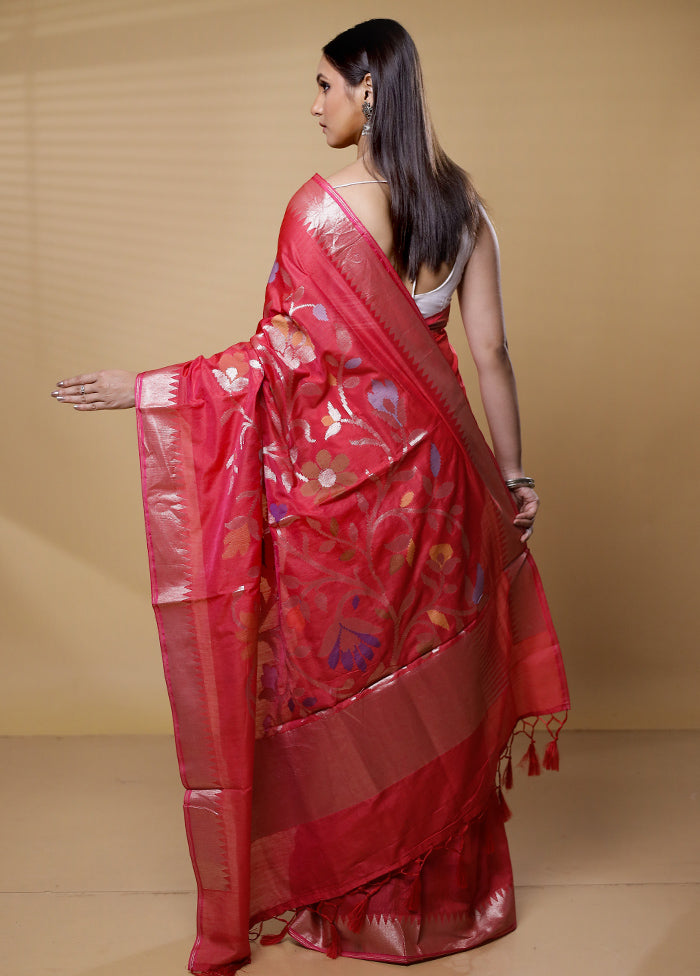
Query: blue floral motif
(479, 583)
(278, 511)
(353, 363)
(273, 273)
(384, 397)
(320, 313)
(352, 648)
(435, 462)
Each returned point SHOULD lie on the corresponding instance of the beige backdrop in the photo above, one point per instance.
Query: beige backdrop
(148, 150)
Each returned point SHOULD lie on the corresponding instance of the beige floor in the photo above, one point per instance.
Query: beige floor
(96, 878)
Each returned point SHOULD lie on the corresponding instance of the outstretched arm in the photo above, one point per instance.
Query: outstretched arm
(481, 306)
(107, 389)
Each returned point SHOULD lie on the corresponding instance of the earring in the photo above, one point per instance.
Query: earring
(368, 112)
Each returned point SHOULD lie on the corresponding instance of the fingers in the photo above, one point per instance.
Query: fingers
(525, 519)
(78, 381)
(77, 388)
(79, 391)
(89, 397)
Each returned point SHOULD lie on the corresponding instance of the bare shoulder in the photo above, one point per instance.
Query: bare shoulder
(486, 237)
(485, 257)
(368, 200)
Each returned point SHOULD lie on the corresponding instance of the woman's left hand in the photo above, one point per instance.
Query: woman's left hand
(528, 502)
(107, 389)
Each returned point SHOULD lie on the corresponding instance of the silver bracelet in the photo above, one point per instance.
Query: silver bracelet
(513, 483)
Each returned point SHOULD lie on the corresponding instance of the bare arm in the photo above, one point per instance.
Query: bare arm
(481, 307)
(107, 389)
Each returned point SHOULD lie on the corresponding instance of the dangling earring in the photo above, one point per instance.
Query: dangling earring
(368, 112)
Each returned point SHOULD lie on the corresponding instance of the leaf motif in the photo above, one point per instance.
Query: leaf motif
(439, 619)
(444, 490)
(427, 485)
(326, 545)
(410, 552)
(404, 475)
(351, 382)
(313, 524)
(396, 563)
(310, 389)
(406, 499)
(353, 363)
(399, 544)
(347, 555)
(435, 461)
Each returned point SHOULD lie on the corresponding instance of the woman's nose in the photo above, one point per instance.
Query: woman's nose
(316, 106)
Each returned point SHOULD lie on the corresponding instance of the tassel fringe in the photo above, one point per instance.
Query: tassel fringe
(533, 764)
(506, 812)
(551, 756)
(329, 911)
(356, 918)
(508, 774)
(275, 939)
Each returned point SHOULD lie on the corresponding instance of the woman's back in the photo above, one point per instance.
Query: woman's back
(369, 200)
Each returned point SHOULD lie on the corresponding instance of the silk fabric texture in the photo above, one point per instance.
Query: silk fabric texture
(350, 626)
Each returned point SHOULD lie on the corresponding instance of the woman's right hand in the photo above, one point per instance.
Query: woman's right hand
(107, 389)
(528, 502)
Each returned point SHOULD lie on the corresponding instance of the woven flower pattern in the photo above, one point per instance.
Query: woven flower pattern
(232, 376)
(291, 343)
(326, 473)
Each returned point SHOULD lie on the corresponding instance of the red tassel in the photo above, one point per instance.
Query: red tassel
(508, 774)
(333, 950)
(505, 809)
(356, 918)
(414, 896)
(551, 756)
(533, 768)
(328, 910)
(274, 939)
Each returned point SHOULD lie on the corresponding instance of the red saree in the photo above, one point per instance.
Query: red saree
(350, 627)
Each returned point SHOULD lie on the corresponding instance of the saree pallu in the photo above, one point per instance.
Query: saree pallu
(351, 629)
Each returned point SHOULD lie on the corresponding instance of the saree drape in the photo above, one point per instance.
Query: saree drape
(350, 626)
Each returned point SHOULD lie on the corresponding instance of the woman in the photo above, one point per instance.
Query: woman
(352, 627)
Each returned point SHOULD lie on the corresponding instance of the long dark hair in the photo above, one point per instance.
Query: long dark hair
(432, 199)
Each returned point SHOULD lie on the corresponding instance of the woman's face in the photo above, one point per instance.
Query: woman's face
(337, 107)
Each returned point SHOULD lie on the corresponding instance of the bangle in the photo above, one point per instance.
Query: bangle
(513, 483)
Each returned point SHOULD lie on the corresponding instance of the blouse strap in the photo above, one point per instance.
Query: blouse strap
(339, 186)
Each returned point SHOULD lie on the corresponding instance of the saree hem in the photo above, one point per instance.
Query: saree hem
(456, 896)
